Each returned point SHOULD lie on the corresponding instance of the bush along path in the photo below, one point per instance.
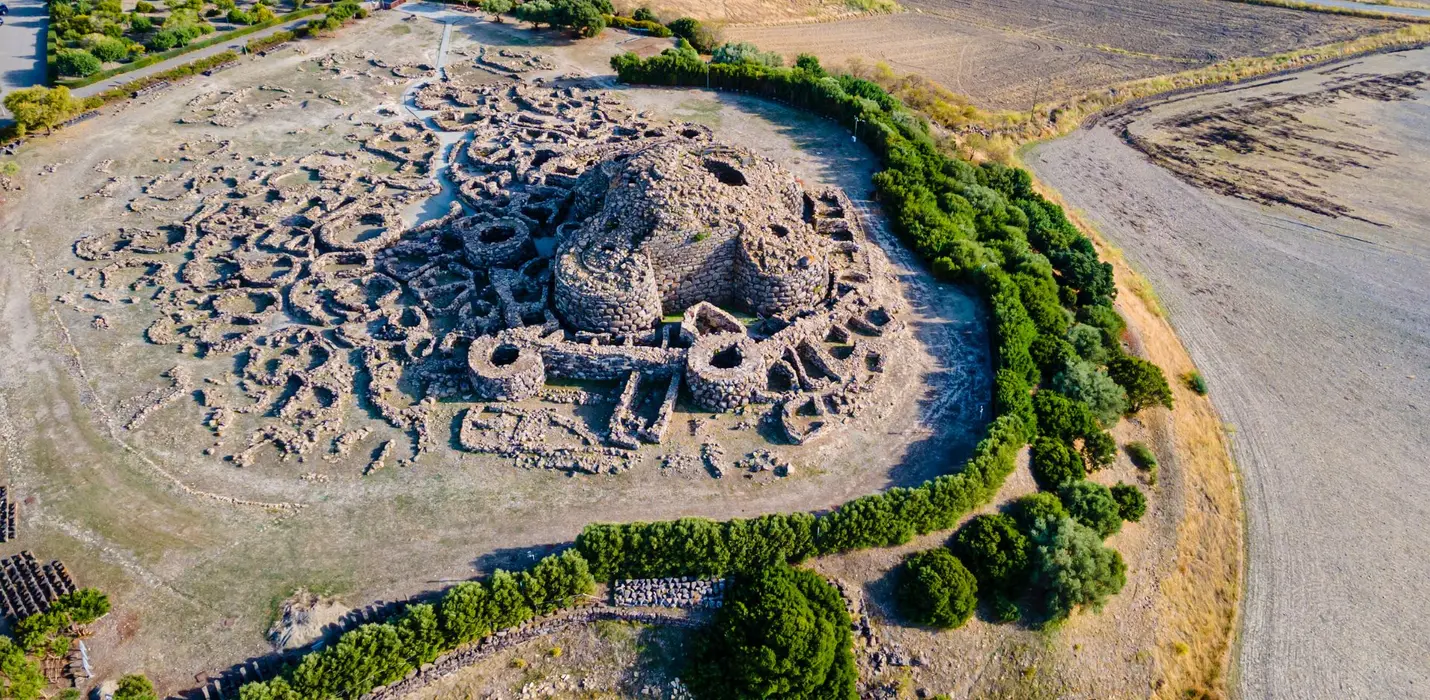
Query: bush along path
(1062, 378)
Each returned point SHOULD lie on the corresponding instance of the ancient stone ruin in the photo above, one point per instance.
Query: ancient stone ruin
(589, 257)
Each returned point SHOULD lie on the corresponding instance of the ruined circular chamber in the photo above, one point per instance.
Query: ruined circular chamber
(580, 232)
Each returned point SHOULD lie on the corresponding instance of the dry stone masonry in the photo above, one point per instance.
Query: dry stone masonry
(685, 592)
(594, 273)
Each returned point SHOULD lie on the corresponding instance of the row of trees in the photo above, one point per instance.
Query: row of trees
(380, 653)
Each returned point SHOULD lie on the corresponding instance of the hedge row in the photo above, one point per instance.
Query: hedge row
(381, 653)
(652, 28)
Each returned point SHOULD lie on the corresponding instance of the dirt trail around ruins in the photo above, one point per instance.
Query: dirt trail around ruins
(1313, 332)
(107, 436)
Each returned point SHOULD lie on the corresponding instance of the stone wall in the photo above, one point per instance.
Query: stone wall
(725, 371)
(683, 592)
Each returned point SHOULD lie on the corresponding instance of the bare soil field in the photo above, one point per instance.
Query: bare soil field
(998, 69)
(1014, 55)
(747, 11)
(1313, 332)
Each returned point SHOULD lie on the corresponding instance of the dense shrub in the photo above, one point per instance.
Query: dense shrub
(994, 551)
(1062, 418)
(1195, 382)
(1144, 382)
(1131, 503)
(1142, 456)
(1088, 342)
(782, 633)
(1074, 569)
(109, 50)
(649, 27)
(745, 52)
(644, 14)
(1055, 463)
(379, 653)
(77, 62)
(1034, 509)
(1099, 449)
(135, 687)
(20, 677)
(1083, 382)
(702, 37)
(143, 7)
(936, 589)
(1092, 504)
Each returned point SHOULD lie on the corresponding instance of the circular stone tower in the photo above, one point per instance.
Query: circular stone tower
(684, 221)
(502, 370)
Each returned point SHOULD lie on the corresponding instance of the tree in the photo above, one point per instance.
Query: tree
(84, 605)
(644, 14)
(39, 106)
(936, 589)
(135, 687)
(1131, 504)
(1099, 449)
(1061, 417)
(497, 8)
(1144, 382)
(421, 634)
(1087, 341)
(1055, 464)
(534, 12)
(20, 678)
(745, 52)
(1074, 568)
(581, 16)
(109, 50)
(809, 63)
(782, 633)
(1081, 381)
(700, 36)
(77, 62)
(1092, 504)
(994, 550)
(1035, 509)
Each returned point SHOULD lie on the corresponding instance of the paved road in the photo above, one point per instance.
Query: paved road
(236, 44)
(22, 47)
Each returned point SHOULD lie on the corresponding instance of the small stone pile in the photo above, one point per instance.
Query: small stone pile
(684, 592)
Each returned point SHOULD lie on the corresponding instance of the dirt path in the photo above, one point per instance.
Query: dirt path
(1314, 334)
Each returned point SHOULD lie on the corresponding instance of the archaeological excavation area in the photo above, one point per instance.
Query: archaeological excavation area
(395, 308)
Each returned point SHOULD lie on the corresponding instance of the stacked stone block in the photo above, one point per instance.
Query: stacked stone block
(684, 592)
(724, 371)
(502, 370)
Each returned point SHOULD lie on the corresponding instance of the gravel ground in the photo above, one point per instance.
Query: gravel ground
(1314, 334)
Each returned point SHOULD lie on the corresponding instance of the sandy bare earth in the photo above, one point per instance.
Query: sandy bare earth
(1313, 331)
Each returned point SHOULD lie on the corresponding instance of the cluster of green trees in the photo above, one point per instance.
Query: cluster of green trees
(583, 17)
(696, 546)
(44, 634)
(338, 14)
(40, 107)
(48, 631)
(380, 653)
(782, 633)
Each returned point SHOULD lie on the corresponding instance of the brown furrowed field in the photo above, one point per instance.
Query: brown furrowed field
(998, 69)
(1013, 55)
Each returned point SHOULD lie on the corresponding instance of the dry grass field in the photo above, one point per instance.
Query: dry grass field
(748, 11)
(1015, 55)
(1311, 329)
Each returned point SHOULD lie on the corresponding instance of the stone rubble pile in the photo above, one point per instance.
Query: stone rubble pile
(684, 592)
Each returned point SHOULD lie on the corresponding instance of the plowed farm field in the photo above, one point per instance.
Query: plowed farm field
(1011, 55)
